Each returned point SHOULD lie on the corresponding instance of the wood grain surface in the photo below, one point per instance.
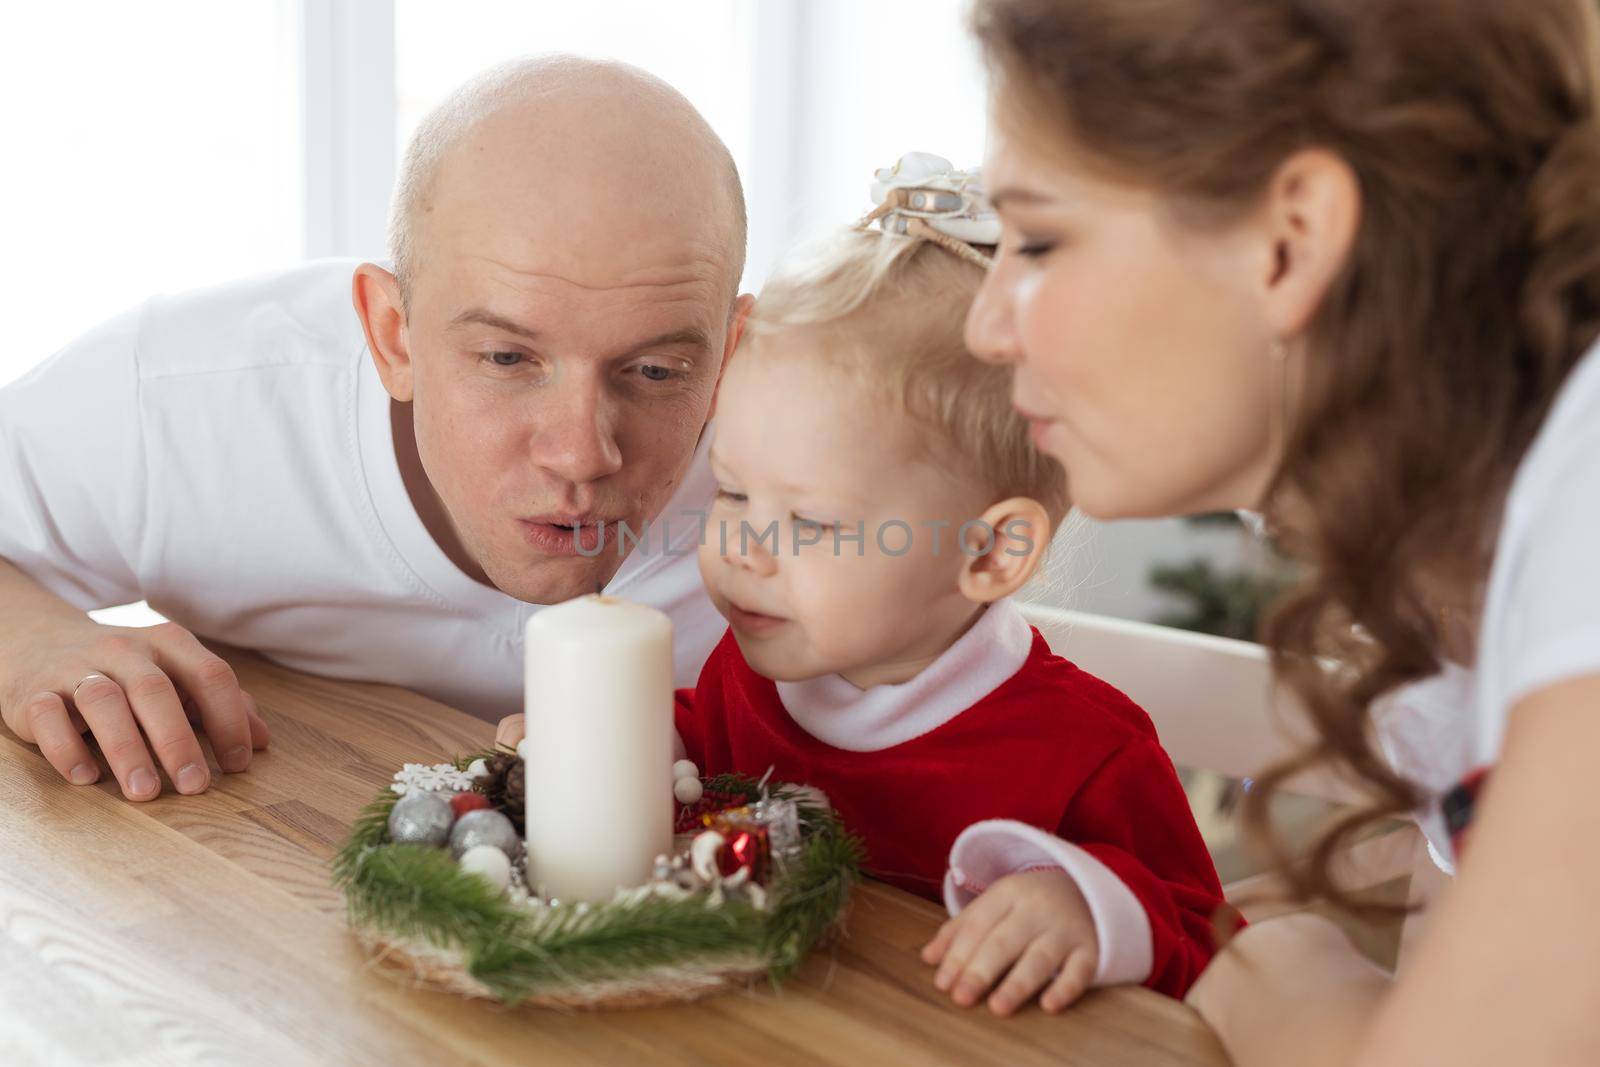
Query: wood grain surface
(203, 930)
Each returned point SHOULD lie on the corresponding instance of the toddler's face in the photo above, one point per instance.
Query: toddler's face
(805, 459)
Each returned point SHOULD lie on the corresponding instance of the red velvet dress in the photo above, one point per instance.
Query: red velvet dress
(1070, 767)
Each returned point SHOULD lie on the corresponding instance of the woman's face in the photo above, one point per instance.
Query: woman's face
(1143, 357)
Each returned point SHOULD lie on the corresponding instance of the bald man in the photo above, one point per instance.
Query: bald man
(386, 494)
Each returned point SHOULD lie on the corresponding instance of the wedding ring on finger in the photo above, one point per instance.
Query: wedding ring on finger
(91, 676)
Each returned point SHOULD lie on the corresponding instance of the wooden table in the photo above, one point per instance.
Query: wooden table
(201, 930)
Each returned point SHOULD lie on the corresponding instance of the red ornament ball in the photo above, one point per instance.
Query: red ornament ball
(462, 803)
(745, 848)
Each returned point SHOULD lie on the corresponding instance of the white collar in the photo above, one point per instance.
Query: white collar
(838, 713)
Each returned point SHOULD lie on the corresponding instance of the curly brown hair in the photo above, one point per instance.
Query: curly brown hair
(1471, 290)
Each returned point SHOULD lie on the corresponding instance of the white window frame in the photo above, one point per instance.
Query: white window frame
(347, 101)
(777, 29)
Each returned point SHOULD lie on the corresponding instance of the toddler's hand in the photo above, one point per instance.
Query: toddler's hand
(1037, 924)
(509, 732)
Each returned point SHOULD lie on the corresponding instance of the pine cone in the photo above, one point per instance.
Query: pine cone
(506, 787)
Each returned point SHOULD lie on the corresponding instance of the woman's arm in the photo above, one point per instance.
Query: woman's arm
(1290, 990)
(1509, 971)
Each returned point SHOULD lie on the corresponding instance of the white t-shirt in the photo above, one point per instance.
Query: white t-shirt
(1541, 616)
(226, 455)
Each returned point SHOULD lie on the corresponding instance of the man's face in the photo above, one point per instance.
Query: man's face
(559, 378)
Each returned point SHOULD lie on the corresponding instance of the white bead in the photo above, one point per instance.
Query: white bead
(685, 768)
(688, 790)
(522, 748)
(478, 768)
(488, 863)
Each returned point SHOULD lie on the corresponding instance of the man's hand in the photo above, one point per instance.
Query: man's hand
(137, 690)
(1034, 924)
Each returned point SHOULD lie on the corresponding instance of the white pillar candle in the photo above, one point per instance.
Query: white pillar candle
(599, 745)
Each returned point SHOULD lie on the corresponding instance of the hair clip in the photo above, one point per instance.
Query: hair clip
(923, 195)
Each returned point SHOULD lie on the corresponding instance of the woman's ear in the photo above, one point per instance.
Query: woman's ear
(1003, 547)
(376, 296)
(1312, 213)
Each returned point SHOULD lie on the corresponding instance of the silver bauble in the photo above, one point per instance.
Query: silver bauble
(420, 818)
(484, 826)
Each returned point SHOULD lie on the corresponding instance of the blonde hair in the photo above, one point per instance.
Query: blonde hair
(899, 305)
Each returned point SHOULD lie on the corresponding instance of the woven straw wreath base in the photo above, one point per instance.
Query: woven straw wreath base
(427, 966)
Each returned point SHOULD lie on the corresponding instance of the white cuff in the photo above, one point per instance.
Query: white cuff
(989, 850)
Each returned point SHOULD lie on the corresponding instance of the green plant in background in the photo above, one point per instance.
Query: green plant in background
(1231, 602)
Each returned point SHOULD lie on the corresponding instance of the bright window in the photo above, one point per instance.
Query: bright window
(149, 147)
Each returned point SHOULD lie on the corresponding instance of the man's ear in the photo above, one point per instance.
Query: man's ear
(376, 296)
(1313, 210)
(736, 325)
(1003, 548)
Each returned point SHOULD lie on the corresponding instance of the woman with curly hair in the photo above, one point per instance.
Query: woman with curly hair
(1338, 262)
